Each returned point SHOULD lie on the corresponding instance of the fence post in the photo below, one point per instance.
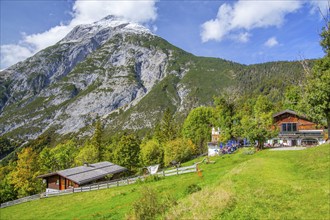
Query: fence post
(117, 183)
(98, 186)
(164, 173)
(127, 181)
(81, 189)
(90, 187)
(177, 171)
(108, 185)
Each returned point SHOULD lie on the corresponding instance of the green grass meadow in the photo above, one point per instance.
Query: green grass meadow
(265, 185)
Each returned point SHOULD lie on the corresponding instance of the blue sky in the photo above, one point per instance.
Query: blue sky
(243, 31)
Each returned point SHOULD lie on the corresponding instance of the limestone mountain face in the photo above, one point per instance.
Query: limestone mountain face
(97, 70)
(123, 74)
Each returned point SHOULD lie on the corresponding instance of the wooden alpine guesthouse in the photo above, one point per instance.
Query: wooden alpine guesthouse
(296, 129)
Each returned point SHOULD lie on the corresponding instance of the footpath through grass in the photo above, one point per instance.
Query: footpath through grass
(265, 185)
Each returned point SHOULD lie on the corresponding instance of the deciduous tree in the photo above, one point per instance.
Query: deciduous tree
(24, 176)
(151, 153)
(7, 190)
(58, 158)
(179, 150)
(89, 154)
(197, 127)
(258, 126)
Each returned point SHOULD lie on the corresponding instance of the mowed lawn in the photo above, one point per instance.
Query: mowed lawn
(265, 185)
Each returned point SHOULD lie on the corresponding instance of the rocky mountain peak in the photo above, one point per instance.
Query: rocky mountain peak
(94, 70)
(115, 22)
(104, 29)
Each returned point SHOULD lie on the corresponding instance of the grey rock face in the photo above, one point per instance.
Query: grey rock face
(92, 72)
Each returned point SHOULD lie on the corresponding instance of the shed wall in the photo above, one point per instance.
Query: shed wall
(52, 182)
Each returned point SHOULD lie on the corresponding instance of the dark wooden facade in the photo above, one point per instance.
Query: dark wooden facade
(59, 182)
(301, 122)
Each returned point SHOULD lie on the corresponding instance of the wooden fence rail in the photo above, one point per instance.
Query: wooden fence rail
(103, 185)
(21, 200)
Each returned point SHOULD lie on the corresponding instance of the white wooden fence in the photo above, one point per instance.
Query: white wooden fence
(103, 185)
(21, 200)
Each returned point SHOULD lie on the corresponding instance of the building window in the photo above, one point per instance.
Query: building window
(294, 127)
(289, 127)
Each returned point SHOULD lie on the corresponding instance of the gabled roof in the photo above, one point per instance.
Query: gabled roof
(289, 112)
(85, 174)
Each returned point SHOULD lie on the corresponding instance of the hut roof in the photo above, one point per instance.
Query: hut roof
(287, 111)
(87, 173)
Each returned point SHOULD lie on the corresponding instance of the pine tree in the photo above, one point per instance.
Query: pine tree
(127, 151)
(97, 139)
(166, 129)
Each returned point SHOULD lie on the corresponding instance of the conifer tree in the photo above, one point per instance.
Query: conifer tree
(166, 129)
(127, 151)
(97, 139)
(224, 116)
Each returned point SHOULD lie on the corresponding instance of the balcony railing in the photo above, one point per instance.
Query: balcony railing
(313, 133)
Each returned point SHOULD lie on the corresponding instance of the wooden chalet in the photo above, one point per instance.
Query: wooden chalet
(79, 176)
(295, 129)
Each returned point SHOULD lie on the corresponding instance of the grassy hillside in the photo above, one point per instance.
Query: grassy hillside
(265, 185)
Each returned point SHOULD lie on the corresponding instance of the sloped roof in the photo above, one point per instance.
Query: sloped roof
(289, 112)
(85, 174)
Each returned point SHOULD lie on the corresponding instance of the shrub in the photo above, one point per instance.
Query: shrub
(152, 178)
(151, 204)
(192, 188)
(248, 151)
(148, 206)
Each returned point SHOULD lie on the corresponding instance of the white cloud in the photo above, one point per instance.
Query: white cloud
(42, 40)
(242, 37)
(11, 53)
(245, 16)
(138, 11)
(271, 42)
(83, 12)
